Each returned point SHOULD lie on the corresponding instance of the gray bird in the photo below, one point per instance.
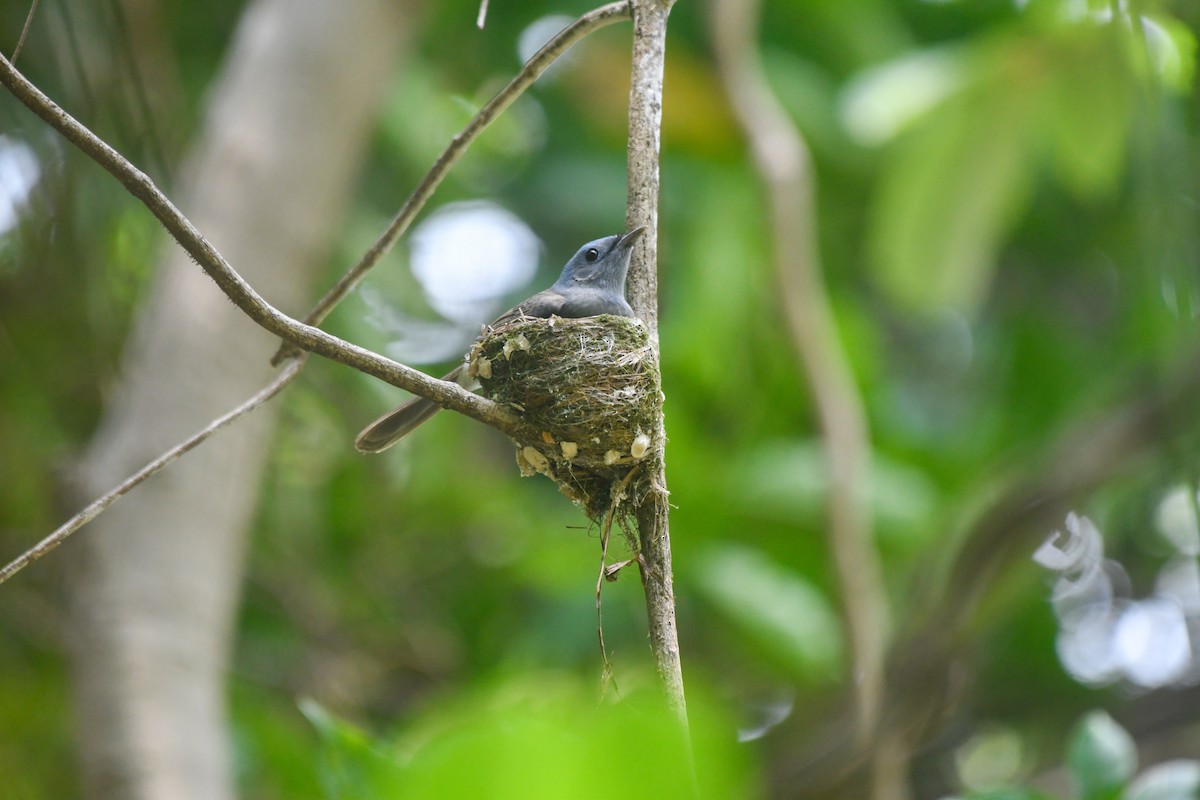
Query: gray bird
(592, 283)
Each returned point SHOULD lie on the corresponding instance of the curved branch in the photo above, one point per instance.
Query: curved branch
(314, 340)
(534, 67)
(783, 162)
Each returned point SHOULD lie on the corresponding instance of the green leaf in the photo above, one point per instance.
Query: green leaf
(787, 615)
(1101, 756)
(882, 101)
(1172, 780)
(947, 194)
(352, 764)
(1172, 49)
(541, 737)
(1088, 106)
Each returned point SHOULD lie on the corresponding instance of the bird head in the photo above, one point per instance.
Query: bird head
(603, 262)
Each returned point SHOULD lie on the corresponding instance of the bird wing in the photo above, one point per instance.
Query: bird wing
(543, 304)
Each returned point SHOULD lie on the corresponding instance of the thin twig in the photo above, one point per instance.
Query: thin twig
(93, 510)
(534, 67)
(618, 495)
(446, 393)
(25, 30)
(606, 676)
(783, 162)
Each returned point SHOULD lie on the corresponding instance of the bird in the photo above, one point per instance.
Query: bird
(591, 283)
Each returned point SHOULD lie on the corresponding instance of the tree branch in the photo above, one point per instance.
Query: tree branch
(784, 165)
(925, 669)
(645, 123)
(306, 337)
(645, 117)
(97, 506)
(1154, 416)
(928, 667)
(530, 72)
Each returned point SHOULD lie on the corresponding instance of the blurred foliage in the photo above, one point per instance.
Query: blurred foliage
(536, 736)
(1102, 760)
(1007, 198)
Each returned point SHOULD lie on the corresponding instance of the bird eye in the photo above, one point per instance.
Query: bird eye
(592, 254)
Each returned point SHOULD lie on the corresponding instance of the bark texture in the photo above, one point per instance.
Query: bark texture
(653, 517)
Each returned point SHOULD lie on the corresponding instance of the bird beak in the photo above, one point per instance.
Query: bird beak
(630, 239)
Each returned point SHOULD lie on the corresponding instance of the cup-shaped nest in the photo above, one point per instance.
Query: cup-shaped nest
(590, 393)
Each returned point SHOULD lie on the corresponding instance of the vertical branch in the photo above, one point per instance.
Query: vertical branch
(783, 160)
(645, 117)
(645, 122)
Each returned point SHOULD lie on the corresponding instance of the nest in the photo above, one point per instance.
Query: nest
(589, 391)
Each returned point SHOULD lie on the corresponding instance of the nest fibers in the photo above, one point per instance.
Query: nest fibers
(590, 390)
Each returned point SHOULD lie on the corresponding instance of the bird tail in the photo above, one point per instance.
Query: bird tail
(399, 422)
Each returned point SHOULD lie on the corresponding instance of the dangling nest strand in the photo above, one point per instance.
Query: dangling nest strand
(590, 390)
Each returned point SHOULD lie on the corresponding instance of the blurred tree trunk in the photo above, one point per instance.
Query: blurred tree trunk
(155, 592)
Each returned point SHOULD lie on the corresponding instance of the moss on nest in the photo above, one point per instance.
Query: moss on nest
(590, 389)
